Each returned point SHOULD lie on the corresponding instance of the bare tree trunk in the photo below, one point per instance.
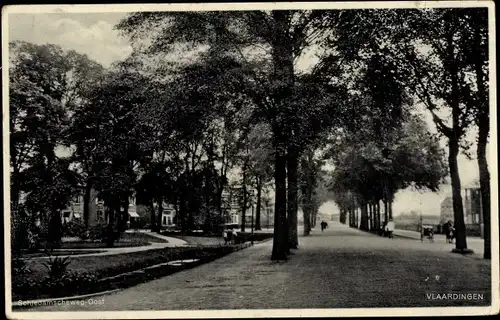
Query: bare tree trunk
(483, 123)
(307, 220)
(280, 242)
(159, 217)
(391, 200)
(283, 78)
(292, 168)
(386, 213)
(378, 216)
(370, 215)
(244, 206)
(152, 215)
(259, 204)
(458, 210)
(364, 217)
(484, 181)
(86, 202)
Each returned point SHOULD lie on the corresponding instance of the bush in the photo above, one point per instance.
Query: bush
(97, 232)
(213, 224)
(57, 267)
(75, 229)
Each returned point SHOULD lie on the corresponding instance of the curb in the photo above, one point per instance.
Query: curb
(33, 303)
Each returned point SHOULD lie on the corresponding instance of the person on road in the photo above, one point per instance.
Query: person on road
(451, 232)
(390, 229)
(235, 236)
(323, 225)
(224, 235)
(229, 234)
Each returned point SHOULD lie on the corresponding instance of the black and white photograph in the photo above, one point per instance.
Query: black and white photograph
(250, 160)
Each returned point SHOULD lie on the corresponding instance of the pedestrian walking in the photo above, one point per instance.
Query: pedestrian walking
(235, 236)
(224, 235)
(229, 234)
(323, 225)
(390, 228)
(383, 229)
(450, 232)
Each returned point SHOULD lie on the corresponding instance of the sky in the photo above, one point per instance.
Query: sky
(93, 34)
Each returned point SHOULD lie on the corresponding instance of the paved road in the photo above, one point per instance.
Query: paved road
(338, 268)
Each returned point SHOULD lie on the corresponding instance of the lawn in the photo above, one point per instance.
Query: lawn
(84, 274)
(127, 239)
(140, 236)
(108, 265)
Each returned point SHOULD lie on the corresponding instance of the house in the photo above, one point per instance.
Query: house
(232, 207)
(471, 198)
(98, 213)
(74, 211)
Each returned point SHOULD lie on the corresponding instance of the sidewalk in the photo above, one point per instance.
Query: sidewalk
(474, 243)
(338, 268)
(172, 242)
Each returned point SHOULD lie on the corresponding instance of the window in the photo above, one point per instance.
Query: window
(477, 218)
(164, 222)
(100, 215)
(169, 220)
(66, 214)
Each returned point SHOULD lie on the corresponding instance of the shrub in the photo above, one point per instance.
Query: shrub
(19, 267)
(97, 232)
(57, 268)
(75, 229)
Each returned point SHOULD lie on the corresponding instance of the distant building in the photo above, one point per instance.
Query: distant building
(473, 218)
(446, 210)
(74, 211)
(98, 213)
(232, 207)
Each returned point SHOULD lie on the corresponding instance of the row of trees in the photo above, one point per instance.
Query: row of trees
(77, 127)
(441, 56)
(172, 129)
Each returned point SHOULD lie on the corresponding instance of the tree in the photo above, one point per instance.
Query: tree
(260, 164)
(474, 45)
(265, 47)
(362, 170)
(43, 90)
(111, 118)
(446, 81)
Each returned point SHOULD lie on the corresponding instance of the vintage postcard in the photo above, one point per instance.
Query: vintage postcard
(250, 160)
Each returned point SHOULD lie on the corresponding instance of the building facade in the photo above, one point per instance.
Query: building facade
(473, 217)
(138, 214)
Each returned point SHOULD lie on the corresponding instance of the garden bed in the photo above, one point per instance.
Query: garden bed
(100, 273)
